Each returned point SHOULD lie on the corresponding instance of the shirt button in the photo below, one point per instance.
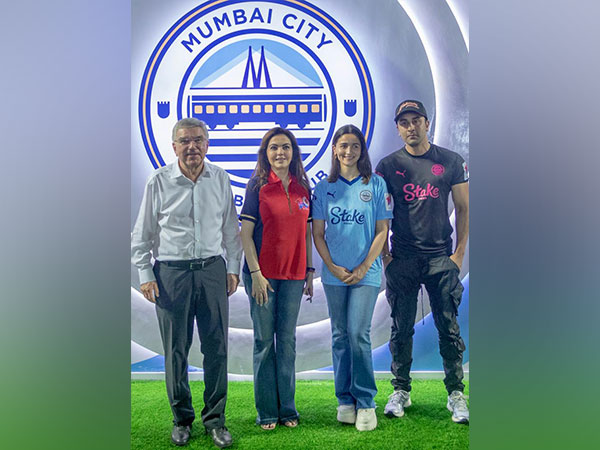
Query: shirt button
(197, 220)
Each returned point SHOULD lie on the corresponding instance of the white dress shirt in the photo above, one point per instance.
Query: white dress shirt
(182, 220)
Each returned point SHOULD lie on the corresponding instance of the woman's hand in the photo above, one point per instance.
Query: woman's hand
(341, 273)
(357, 274)
(260, 285)
(308, 284)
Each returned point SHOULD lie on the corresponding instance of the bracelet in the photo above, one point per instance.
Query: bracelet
(310, 269)
(254, 271)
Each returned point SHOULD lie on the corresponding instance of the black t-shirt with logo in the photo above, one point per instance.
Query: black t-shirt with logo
(420, 186)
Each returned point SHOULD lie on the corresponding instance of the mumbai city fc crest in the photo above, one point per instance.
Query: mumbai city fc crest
(244, 67)
(366, 196)
(437, 169)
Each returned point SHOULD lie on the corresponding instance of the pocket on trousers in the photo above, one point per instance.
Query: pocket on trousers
(452, 264)
(387, 268)
(456, 295)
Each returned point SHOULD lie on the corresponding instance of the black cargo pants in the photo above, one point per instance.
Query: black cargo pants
(440, 276)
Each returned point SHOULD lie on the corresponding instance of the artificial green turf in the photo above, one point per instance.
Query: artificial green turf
(426, 424)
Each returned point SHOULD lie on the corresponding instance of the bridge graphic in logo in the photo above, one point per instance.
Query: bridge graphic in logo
(284, 109)
(244, 67)
(249, 86)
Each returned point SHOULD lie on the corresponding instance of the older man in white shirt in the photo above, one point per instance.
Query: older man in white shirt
(187, 220)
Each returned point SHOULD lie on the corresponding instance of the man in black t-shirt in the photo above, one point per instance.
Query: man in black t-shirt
(420, 177)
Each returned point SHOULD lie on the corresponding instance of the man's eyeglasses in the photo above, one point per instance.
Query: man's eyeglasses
(186, 141)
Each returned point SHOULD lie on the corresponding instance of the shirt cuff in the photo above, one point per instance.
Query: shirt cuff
(146, 275)
(233, 266)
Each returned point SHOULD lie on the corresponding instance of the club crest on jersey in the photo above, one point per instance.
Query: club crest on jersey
(437, 169)
(366, 196)
(244, 67)
(303, 203)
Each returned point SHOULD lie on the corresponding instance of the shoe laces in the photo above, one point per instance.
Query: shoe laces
(458, 400)
(364, 413)
(399, 396)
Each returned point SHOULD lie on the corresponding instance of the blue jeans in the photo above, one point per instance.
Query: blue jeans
(351, 310)
(274, 358)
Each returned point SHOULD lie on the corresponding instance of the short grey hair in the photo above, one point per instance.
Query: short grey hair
(189, 122)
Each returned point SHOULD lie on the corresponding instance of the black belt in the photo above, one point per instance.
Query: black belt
(191, 264)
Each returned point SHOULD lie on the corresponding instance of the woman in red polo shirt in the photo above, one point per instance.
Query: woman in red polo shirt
(276, 237)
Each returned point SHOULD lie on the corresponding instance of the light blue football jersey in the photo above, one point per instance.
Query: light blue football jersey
(350, 210)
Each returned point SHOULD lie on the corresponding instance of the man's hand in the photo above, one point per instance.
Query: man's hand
(150, 291)
(456, 259)
(232, 283)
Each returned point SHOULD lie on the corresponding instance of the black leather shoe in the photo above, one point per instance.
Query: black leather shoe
(221, 437)
(180, 434)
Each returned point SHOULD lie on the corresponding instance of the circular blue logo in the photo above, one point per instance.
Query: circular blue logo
(244, 67)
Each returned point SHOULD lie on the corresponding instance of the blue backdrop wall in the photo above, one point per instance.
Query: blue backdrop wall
(346, 61)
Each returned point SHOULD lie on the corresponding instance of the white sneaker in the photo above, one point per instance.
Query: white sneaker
(346, 414)
(366, 420)
(457, 403)
(398, 400)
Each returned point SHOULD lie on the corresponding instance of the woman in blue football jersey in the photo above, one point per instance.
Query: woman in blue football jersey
(351, 212)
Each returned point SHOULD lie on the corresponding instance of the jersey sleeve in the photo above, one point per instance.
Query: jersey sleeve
(250, 210)
(461, 171)
(383, 200)
(310, 207)
(319, 207)
(380, 170)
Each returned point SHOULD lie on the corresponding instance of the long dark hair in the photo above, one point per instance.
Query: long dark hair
(364, 162)
(263, 167)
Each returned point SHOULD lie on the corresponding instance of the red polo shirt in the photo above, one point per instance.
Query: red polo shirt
(280, 222)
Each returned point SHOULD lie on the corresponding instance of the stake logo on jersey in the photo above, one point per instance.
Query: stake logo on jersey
(247, 66)
(346, 216)
(416, 192)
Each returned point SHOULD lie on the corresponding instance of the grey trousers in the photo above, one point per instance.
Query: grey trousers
(200, 295)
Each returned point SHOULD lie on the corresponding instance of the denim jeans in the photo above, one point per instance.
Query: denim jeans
(274, 358)
(351, 310)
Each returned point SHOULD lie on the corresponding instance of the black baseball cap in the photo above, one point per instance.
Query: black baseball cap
(410, 106)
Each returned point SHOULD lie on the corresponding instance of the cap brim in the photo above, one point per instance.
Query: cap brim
(407, 111)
